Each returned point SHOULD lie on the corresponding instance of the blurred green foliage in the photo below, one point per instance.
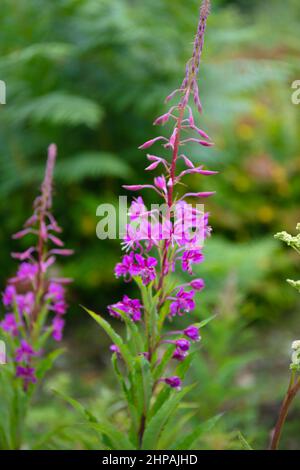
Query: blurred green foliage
(91, 75)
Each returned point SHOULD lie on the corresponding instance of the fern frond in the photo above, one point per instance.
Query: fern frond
(59, 108)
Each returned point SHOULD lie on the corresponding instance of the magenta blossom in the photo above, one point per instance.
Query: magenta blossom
(183, 344)
(179, 355)
(27, 374)
(56, 291)
(25, 352)
(26, 272)
(162, 244)
(183, 302)
(146, 268)
(9, 324)
(197, 284)
(114, 349)
(174, 382)
(57, 328)
(191, 257)
(192, 332)
(131, 307)
(9, 296)
(32, 294)
(137, 265)
(25, 303)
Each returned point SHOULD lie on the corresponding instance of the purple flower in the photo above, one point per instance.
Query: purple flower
(146, 268)
(27, 271)
(160, 183)
(27, 374)
(132, 307)
(192, 332)
(183, 344)
(184, 302)
(136, 265)
(149, 143)
(146, 355)
(24, 255)
(127, 267)
(176, 235)
(137, 208)
(32, 294)
(191, 257)
(179, 355)
(25, 352)
(197, 284)
(25, 303)
(161, 120)
(174, 382)
(59, 307)
(114, 349)
(55, 291)
(9, 296)
(9, 324)
(57, 328)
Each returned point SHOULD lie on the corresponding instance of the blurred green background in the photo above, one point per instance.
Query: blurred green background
(91, 75)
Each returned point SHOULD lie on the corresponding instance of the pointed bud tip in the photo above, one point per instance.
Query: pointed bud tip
(52, 151)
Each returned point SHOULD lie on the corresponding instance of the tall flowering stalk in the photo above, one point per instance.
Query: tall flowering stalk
(34, 300)
(294, 383)
(151, 363)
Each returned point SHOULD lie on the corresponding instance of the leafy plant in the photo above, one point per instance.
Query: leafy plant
(294, 384)
(30, 297)
(157, 242)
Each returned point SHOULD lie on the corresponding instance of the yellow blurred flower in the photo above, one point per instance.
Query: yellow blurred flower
(242, 183)
(260, 111)
(245, 131)
(265, 214)
(87, 225)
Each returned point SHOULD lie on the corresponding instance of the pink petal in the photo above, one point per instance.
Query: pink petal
(24, 255)
(56, 240)
(198, 141)
(203, 194)
(52, 151)
(63, 252)
(201, 132)
(173, 137)
(152, 166)
(161, 120)
(187, 161)
(169, 97)
(23, 233)
(149, 143)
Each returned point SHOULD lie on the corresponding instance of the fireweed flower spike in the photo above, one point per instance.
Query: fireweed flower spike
(156, 248)
(35, 302)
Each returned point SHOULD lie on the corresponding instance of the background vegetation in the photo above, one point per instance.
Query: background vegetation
(91, 76)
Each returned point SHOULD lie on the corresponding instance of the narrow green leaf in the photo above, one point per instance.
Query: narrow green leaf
(205, 322)
(77, 406)
(128, 394)
(118, 438)
(182, 368)
(190, 439)
(113, 336)
(244, 442)
(47, 363)
(162, 396)
(159, 370)
(157, 423)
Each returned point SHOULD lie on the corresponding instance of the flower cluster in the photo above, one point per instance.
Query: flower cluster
(168, 237)
(295, 364)
(32, 294)
(294, 242)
